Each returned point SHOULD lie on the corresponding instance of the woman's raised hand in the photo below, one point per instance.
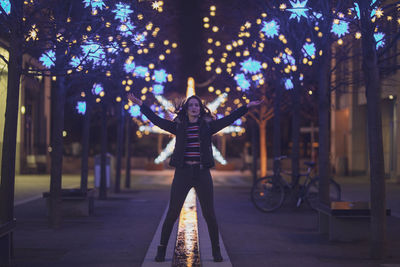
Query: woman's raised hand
(255, 103)
(134, 99)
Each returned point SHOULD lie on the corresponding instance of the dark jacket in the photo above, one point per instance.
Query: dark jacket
(206, 130)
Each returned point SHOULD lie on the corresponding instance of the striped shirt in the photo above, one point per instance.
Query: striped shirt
(192, 150)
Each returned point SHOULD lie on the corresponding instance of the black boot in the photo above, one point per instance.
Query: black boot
(216, 252)
(161, 249)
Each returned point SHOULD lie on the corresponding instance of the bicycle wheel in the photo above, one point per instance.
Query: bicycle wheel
(267, 195)
(312, 190)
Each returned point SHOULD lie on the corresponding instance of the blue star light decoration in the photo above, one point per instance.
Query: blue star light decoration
(97, 89)
(129, 66)
(81, 107)
(141, 71)
(340, 29)
(134, 111)
(309, 49)
(126, 29)
(95, 53)
(298, 9)
(122, 12)
(158, 89)
(160, 76)
(75, 61)
(6, 5)
(288, 84)
(270, 29)
(242, 82)
(94, 4)
(379, 39)
(48, 59)
(251, 66)
(139, 39)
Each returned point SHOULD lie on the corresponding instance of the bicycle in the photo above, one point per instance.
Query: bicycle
(268, 193)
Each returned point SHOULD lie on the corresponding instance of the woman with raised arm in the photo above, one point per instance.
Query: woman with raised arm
(192, 158)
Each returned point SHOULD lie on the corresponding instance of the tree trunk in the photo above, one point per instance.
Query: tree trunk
(263, 145)
(277, 127)
(295, 155)
(324, 169)
(254, 150)
(103, 157)
(128, 153)
(375, 142)
(120, 139)
(10, 133)
(57, 116)
(85, 148)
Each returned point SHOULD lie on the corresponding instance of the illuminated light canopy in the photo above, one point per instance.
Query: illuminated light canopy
(97, 89)
(158, 89)
(340, 29)
(288, 84)
(141, 71)
(122, 12)
(48, 59)
(81, 107)
(270, 29)
(379, 39)
(94, 4)
(309, 50)
(242, 82)
(134, 111)
(6, 6)
(251, 66)
(160, 76)
(298, 9)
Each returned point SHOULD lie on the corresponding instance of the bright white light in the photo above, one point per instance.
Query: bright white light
(165, 103)
(218, 156)
(217, 102)
(166, 152)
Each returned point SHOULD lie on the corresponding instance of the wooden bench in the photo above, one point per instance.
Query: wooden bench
(74, 202)
(345, 220)
(6, 244)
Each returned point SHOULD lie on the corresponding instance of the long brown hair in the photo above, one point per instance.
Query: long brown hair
(181, 109)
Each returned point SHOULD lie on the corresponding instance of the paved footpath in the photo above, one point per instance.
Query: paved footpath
(123, 227)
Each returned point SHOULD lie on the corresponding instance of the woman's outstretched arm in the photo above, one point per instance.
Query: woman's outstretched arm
(164, 124)
(219, 124)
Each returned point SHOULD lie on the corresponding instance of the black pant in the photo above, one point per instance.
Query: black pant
(184, 180)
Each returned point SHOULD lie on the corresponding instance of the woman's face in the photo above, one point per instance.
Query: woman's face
(193, 107)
